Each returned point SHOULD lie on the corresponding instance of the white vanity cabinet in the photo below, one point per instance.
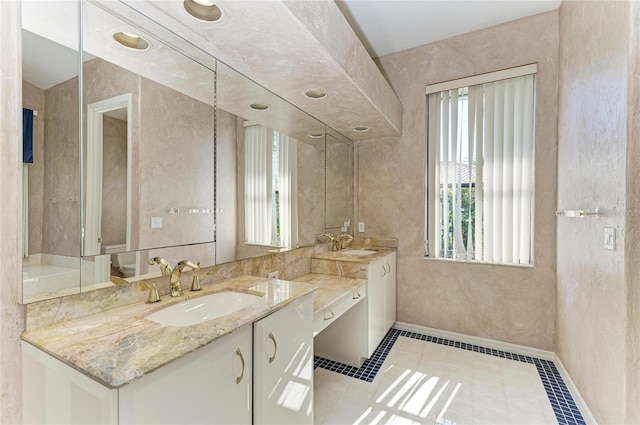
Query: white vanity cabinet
(283, 365)
(389, 291)
(54, 393)
(212, 385)
(381, 305)
(354, 336)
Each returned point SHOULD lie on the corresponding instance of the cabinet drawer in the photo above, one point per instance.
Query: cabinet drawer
(324, 318)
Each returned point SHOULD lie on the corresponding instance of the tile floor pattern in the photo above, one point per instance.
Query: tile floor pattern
(445, 382)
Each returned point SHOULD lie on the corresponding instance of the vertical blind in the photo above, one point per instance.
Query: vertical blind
(480, 172)
(271, 175)
(258, 185)
(288, 188)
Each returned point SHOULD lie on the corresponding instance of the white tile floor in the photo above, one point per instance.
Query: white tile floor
(426, 383)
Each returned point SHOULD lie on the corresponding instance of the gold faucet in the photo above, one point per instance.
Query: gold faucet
(165, 268)
(174, 283)
(338, 242)
(154, 297)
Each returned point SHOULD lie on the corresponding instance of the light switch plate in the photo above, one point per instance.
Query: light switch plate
(156, 222)
(361, 226)
(610, 238)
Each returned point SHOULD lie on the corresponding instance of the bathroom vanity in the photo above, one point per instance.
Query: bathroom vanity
(353, 336)
(118, 367)
(251, 365)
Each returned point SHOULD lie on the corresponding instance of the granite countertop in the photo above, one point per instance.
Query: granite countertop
(329, 289)
(118, 346)
(366, 259)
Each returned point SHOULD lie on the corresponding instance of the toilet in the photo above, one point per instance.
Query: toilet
(125, 262)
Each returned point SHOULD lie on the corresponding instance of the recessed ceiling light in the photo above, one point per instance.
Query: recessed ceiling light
(360, 129)
(259, 106)
(315, 94)
(204, 10)
(316, 135)
(131, 40)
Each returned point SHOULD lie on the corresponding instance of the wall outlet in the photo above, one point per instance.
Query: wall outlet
(156, 222)
(610, 238)
(274, 275)
(361, 226)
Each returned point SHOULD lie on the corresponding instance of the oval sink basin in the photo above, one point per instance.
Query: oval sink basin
(204, 308)
(358, 252)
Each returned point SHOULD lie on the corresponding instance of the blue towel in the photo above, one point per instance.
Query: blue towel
(27, 135)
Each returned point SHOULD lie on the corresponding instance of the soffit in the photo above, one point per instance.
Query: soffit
(289, 48)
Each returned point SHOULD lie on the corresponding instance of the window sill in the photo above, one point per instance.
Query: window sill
(448, 260)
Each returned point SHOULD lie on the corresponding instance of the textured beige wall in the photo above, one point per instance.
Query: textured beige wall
(226, 186)
(592, 134)
(176, 166)
(12, 321)
(172, 135)
(632, 225)
(512, 304)
(33, 98)
(103, 80)
(310, 192)
(338, 182)
(61, 215)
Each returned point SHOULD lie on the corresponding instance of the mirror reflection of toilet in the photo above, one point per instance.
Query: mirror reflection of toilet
(124, 262)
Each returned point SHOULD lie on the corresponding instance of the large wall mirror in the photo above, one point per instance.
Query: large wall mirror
(51, 213)
(271, 158)
(145, 185)
(175, 154)
(148, 149)
(338, 178)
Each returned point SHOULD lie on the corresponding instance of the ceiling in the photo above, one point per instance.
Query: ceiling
(383, 27)
(388, 26)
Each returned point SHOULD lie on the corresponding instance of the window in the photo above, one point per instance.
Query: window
(271, 210)
(480, 168)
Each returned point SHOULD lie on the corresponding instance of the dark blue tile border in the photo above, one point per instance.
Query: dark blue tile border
(565, 408)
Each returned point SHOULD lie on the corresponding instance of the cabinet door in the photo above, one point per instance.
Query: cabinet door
(390, 291)
(212, 385)
(375, 303)
(283, 365)
(54, 393)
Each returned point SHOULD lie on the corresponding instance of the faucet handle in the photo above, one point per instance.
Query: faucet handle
(154, 297)
(186, 263)
(326, 237)
(195, 283)
(165, 268)
(116, 280)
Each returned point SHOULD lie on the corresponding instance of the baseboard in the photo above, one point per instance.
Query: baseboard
(512, 348)
(483, 342)
(577, 397)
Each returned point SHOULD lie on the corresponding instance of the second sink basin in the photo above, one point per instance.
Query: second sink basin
(358, 252)
(203, 308)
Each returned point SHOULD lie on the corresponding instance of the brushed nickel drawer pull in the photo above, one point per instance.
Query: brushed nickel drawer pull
(330, 317)
(356, 295)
